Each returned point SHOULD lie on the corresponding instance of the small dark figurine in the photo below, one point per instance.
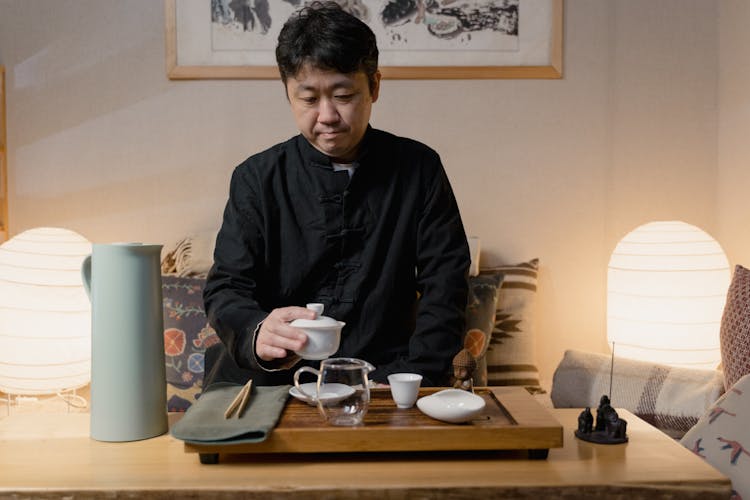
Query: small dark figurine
(602, 413)
(608, 429)
(616, 427)
(585, 421)
(464, 365)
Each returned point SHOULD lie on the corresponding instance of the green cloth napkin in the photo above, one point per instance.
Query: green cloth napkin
(204, 422)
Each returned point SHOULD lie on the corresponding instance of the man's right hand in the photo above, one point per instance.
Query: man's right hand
(277, 337)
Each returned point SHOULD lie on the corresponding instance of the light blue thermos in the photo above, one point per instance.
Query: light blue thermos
(128, 375)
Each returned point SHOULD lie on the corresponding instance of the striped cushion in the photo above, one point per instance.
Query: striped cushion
(511, 358)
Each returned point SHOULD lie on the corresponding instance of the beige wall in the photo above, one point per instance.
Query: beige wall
(733, 200)
(102, 143)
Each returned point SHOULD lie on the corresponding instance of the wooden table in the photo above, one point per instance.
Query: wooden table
(52, 456)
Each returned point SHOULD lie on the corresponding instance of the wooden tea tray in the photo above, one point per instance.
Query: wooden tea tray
(511, 420)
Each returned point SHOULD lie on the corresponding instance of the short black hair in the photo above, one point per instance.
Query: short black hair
(327, 37)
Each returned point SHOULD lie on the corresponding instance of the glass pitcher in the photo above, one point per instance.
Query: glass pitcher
(342, 392)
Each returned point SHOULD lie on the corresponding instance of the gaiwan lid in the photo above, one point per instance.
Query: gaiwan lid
(319, 322)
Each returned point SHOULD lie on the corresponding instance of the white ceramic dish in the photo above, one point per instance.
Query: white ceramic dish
(451, 405)
(330, 393)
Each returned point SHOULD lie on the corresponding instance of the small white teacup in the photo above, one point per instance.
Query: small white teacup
(404, 388)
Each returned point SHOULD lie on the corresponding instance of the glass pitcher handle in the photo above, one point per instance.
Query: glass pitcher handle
(299, 372)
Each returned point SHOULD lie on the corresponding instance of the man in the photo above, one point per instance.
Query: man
(345, 215)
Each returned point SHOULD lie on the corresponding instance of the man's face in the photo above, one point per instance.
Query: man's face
(332, 109)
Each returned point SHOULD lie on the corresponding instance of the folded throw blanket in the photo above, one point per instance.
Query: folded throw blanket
(192, 255)
(669, 398)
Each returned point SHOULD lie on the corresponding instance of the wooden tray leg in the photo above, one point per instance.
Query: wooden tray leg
(539, 454)
(209, 458)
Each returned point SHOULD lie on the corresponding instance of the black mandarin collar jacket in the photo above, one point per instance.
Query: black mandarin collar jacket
(385, 251)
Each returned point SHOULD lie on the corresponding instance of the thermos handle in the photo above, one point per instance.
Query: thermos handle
(86, 274)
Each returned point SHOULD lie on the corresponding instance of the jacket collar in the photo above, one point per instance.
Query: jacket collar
(314, 157)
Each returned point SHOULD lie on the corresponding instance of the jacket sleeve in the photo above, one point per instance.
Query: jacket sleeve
(443, 262)
(442, 267)
(231, 292)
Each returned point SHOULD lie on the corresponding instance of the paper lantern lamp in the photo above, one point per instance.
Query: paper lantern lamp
(45, 315)
(666, 287)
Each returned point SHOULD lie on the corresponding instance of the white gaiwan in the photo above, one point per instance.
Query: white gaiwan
(323, 334)
(451, 405)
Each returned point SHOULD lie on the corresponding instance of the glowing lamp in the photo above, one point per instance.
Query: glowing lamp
(666, 287)
(45, 315)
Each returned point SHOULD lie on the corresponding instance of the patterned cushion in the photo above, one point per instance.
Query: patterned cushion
(511, 357)
(721, 438)
(186, 337)
(480, 320)
(735, 328)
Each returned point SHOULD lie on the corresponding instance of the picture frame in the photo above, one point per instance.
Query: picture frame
(3, 162)
(192, 53)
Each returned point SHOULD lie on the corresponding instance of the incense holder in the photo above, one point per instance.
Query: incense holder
(608, 428)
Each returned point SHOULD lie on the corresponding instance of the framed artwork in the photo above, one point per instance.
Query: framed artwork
(3, 166)
(417, 39)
